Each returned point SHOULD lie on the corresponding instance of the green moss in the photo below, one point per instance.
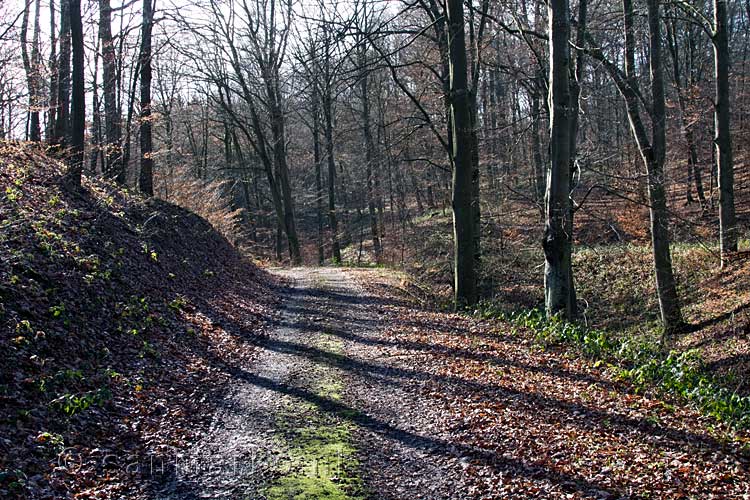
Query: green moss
(303, 488)
(321, 459)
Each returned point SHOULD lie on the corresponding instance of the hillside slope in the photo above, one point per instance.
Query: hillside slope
(116, 317)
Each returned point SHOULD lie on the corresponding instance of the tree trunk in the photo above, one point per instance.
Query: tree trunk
(558, 227)
(492, 132)
(78, 107)
(31, 67)
(476, 207)
(694, 175)
(318, 174)
(575, 103)
(536, 152)
(652, 151)
(122, 174)
(280, 160)
(112, 126)
(369, 155)
(332, 219)
(722, 136)
(465, 291)
(146, 177)
(96, 126)
(49, 131)
(654, 158)
(62, 118)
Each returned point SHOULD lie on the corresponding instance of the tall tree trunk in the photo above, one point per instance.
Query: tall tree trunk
(722, 136)
(332, 219)
(78, 107)
(262, 151)
(536, 150)
(122, 174)
(558, 227)
(654, 158)
(96, 126)
(575, 104)
(30, 83)
(146, 177)
(369, 154)
(318, 174)
(112, 125)
(693, 174)
(277, 120)
(476, 207)
(473, 87)
(32, 66)
(492, 132)
(49, 132)
(652, 151)
(465, 290)
(62, 121)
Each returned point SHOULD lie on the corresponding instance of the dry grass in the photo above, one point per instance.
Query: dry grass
(212, 200)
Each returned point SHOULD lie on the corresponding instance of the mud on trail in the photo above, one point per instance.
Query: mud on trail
(357, 393)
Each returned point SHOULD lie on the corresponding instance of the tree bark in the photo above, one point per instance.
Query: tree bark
(31, 68)
(112, 126)
(277, 119)
(78, 105)
(465, 291)
(652, 152)
(369, 154)
(49, 131)
(146, 177)
(558, 227)
(722, 135)
(315, 97)
(654, 158)
(694, 174)
(96, 127)
(536, 151)
(62, 116)
(332, 219)
(122, 174)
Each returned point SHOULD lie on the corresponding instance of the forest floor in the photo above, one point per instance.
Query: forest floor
(357, 392)
(614, 279)
(145, 357)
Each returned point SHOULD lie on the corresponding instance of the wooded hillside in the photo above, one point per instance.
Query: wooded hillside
(116, 317)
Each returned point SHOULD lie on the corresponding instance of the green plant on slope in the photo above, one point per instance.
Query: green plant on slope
(642, 363)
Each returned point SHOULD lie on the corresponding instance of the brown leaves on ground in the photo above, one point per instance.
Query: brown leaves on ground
(116, 314)
(548, 424)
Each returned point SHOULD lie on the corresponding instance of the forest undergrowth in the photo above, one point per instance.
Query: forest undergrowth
(618, 320)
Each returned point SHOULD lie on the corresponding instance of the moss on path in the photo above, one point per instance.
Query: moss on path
(320, 458)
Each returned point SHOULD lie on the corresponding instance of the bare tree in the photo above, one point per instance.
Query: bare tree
(722, 133)
(112, 127)
(31, 64)
(146, 176)
(78, 103)
(62, 99)
(653, 151)
(369, 143)
(465, 281)
(558, 227)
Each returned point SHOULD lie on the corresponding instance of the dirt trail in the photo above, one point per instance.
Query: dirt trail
(312, 415)
(358, 394)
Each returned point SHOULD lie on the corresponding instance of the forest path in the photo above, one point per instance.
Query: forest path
(359, 393)
(312, 416)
